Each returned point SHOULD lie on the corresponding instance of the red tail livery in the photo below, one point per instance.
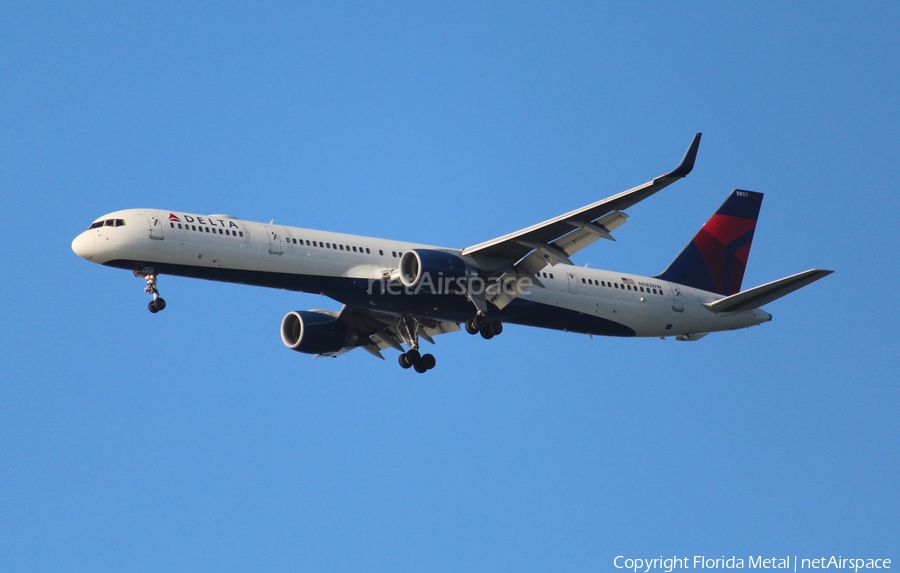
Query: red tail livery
(716, 258)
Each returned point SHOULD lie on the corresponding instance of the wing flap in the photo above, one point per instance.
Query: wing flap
(380, 330)
(587, 232)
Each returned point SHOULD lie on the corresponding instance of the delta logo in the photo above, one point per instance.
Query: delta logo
(211, 221)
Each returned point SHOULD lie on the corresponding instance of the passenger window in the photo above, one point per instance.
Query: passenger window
(242, 233)
(172, 225)
(583, 281)
(342, 247)
(381, 252)
(616, 285)
(367, 251)
(193, 227)
(354, 249)
(179, 225)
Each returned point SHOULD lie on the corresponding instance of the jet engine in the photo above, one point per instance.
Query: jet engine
(316, 332)
(437, 271)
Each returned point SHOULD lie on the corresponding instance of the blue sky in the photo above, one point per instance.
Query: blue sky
(193, 440)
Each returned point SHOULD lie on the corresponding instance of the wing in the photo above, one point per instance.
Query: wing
(552, 241)
(525, 252)
(380, 330)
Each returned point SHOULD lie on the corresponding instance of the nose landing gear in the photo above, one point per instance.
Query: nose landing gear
(149, 275)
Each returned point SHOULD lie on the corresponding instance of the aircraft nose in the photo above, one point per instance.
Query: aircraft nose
(83, 245)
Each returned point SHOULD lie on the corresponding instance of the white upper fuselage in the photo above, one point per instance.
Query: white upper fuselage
(340, 266)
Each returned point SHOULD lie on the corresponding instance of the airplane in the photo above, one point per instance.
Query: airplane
(397, 293)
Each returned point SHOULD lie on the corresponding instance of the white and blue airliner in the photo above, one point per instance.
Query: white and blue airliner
(395, 293)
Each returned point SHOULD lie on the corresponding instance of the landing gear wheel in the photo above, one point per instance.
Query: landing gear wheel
(486, 333)
(408, 328)
(149, 276)
(471, 327)
(496, 327)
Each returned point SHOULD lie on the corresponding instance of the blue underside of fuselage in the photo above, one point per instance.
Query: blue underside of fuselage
(356, 292)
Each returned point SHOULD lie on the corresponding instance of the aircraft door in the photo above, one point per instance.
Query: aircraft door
(156, 226)
(573, 283)
(274, 241)
(677, 298)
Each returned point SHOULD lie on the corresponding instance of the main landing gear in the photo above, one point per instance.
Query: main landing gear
(149, 275)
(408, 329)
(421, 363)
(480, 323)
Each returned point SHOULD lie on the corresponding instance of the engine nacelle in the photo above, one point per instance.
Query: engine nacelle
(316, 332)
(440, 270)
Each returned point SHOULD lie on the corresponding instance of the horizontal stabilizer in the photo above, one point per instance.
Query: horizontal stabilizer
(764, 294)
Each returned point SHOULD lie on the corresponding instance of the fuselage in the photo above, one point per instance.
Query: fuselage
(352, 270)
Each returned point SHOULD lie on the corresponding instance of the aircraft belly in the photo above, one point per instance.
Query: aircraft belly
(251, 262)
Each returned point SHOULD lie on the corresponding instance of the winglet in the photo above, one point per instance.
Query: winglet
(687, 162)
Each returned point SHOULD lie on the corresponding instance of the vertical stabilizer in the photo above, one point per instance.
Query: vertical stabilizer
(716, 258)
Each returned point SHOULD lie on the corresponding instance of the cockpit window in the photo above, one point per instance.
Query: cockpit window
(107, 223)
